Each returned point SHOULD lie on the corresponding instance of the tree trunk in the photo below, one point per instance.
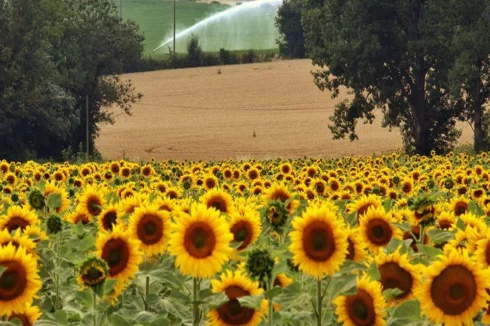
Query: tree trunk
(421, 134)
(479, 134)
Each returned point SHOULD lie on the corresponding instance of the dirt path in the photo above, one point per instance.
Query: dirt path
(200, 114)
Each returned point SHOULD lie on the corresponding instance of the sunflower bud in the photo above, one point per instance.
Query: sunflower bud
(54, 224)
(277, 214)
(93, 272)
(260, 264)
(36, 199)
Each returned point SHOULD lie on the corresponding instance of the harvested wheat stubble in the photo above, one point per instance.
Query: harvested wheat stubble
(200, 114)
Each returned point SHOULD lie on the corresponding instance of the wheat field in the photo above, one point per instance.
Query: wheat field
(213, 113)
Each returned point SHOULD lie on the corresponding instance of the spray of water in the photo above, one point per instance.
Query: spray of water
(223, 14)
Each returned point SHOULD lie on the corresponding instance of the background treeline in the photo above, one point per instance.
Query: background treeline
(53, 55)
(195, 57)
(424, 63)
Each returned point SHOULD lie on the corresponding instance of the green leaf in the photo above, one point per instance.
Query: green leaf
(87, 243)
(54, 201)
(438, 236)
(109, 286)
(429, 251)
(373, 272)
(342, 285)
(270, 294)
(403, 226)
(474, 208)
(117, 319)
(250, 301)
(392, 293)
(85, 297)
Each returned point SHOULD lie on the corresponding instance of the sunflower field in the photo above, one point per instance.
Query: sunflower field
(385, 240)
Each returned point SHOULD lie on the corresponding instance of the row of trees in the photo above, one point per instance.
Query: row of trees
(424, 63)
(53, 55)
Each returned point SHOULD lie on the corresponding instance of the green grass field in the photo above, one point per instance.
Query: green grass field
(251, 29)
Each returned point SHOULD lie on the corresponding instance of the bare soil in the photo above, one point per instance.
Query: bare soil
(263, 110)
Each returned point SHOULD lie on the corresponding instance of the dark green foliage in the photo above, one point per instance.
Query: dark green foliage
(227, 57)
(52, 54)
(288, 20)
(470, 82)
(194, 51)
(393, 55)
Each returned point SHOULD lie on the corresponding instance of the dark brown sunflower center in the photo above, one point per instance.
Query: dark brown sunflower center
(460, 208)
(445, 224)
(351, 250)
(93, 205)
(199, 240)
(318, 241)
(394, 276)
(109, 220)
(210, 183)
(218, 203)
(454, 290)
(232, 312)
(242, 232)
(379, 232)
(363, 209)
(150, 229)
(92, 276)
(13, 280)
(360, 308)
(487, 253)
(116, 253)
(16, 222)
(23, 319)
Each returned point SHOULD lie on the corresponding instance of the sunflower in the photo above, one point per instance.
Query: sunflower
(210, 182)
(200, 241)
(92, 272)
(231, 313)
(281, 192)
(446, 220)
(377, 229)
(245, 227)
(51, 188)
(17, 239)
(19, 281)
(356, 249)
(318, 241)
(455, 289)
(28, 316)
(109, 217)
(397, 272)
(282, 280)
(218, 199)
(482, 252)
(366, 307)
(18, 217)
(120, 251)
(458, 205)
(78, 216)
(91, 201)
(151, 227)
(362, 204)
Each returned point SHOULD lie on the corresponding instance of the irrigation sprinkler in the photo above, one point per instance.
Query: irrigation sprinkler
(174, 27)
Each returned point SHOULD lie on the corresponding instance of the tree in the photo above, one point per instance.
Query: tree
(393, 55)
(96, 46)
(36, 114)
(194, 51)
(288, 21)
(470, 75)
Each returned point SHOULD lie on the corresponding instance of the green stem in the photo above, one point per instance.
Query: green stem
(195, 303)
(95, 308)
(147, 293)
(319, 301)
(271, 308)
(57, 304)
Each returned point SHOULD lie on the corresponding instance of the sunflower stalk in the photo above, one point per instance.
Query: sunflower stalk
(195, 302)
(269, 287)
(57, 304)
(95, 308)
(319, 301)
(147, 293)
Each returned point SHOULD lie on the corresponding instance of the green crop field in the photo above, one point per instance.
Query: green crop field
(249, 29)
